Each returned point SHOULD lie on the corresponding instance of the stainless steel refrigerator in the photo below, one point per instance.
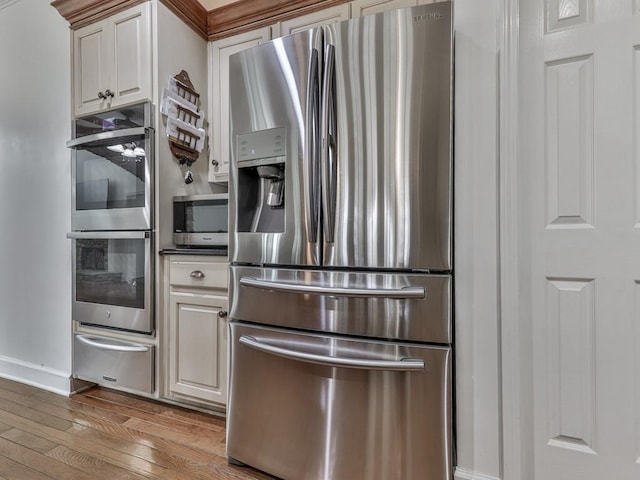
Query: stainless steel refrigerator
(341, 250)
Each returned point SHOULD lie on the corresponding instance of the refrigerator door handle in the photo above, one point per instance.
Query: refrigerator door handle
(410, 292)
(405, 364)
(328, 145)
(312, 149)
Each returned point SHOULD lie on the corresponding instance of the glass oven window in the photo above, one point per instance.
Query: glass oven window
(111, 176)
(111, 272)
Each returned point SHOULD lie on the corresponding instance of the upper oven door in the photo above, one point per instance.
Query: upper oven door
(112, 170)
(113, 280)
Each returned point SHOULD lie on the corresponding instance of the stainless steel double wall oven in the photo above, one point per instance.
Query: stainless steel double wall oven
(341, 250)
(112, 198)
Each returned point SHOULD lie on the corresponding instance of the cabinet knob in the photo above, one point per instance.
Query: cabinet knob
(222, 314)
(214, 163)
(102, 95)
(196, 274)
(109, 93)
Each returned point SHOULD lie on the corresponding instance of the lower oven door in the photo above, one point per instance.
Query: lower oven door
(309, 406)
(112, 280)
(114, 363)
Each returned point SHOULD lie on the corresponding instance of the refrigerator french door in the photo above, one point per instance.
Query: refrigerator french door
(340, 243)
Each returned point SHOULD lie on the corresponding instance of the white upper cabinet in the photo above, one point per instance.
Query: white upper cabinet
(360, 8)
(219, 53)
(315, 19)
(112, 61)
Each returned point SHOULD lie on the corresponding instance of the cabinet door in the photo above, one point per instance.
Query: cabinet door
(130, 79)
(360, 8)
(90, 67)
(198, 351)
(219, 53)
(112, 61)
(315, 19)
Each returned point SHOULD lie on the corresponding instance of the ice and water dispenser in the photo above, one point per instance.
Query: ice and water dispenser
(261, 180)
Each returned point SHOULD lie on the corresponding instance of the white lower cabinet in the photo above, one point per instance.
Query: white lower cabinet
(196, 330)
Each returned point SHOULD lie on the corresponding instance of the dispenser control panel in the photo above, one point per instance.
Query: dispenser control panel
(262, 147)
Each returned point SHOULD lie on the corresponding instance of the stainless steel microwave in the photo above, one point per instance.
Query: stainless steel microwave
(201, 220)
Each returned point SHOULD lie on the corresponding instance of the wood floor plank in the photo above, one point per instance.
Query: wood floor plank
(103, 434)
(13, 470)
(88, 464)
(26, 439)
(39, 462)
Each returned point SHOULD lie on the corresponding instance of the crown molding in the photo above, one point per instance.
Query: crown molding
(190, 12)
(230, 19)
(83, 12)
(244, 15)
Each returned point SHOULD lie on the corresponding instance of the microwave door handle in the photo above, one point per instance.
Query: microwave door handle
(402, 293)
(405, 364)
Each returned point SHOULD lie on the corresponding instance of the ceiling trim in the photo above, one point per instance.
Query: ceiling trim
(190, 12)
(244, 15)
(230, 19)
(83, 12)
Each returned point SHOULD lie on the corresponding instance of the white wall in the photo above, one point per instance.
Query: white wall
(477, 325)
(35, 256)
(178, 48)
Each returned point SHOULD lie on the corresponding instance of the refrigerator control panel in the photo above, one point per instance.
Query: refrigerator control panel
(260, 145)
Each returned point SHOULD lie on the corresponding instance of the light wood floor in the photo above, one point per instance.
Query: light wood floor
(106, 435)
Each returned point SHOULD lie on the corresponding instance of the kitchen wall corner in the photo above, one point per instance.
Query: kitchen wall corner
(35, 278)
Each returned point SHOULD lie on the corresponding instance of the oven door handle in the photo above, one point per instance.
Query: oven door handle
(109, 235)
(105, 136)
(405, 364)
(104, 344)
(397, 293)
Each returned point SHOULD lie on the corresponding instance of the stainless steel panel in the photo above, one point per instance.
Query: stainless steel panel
(114, 363)
(388, 143)
(300, 420)
(276, 86)
(406, 306)
(115, 316)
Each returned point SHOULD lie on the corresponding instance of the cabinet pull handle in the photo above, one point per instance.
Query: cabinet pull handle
(197, 274)
(102, 95)
(109, 93)
(222, 314)
(214, 163)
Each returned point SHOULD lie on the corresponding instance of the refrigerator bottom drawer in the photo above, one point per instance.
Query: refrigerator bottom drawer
(114, 363)
(309, 406)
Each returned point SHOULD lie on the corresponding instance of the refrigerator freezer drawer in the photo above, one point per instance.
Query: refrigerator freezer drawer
(114, 363)
(415, 307)
(309, 406)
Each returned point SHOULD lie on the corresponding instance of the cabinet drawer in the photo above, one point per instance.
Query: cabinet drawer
(198, 274)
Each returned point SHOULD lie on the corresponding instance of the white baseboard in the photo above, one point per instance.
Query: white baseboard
(55, 381)
(464, 474)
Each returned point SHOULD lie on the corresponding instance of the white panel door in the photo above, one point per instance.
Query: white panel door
(580, 174)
